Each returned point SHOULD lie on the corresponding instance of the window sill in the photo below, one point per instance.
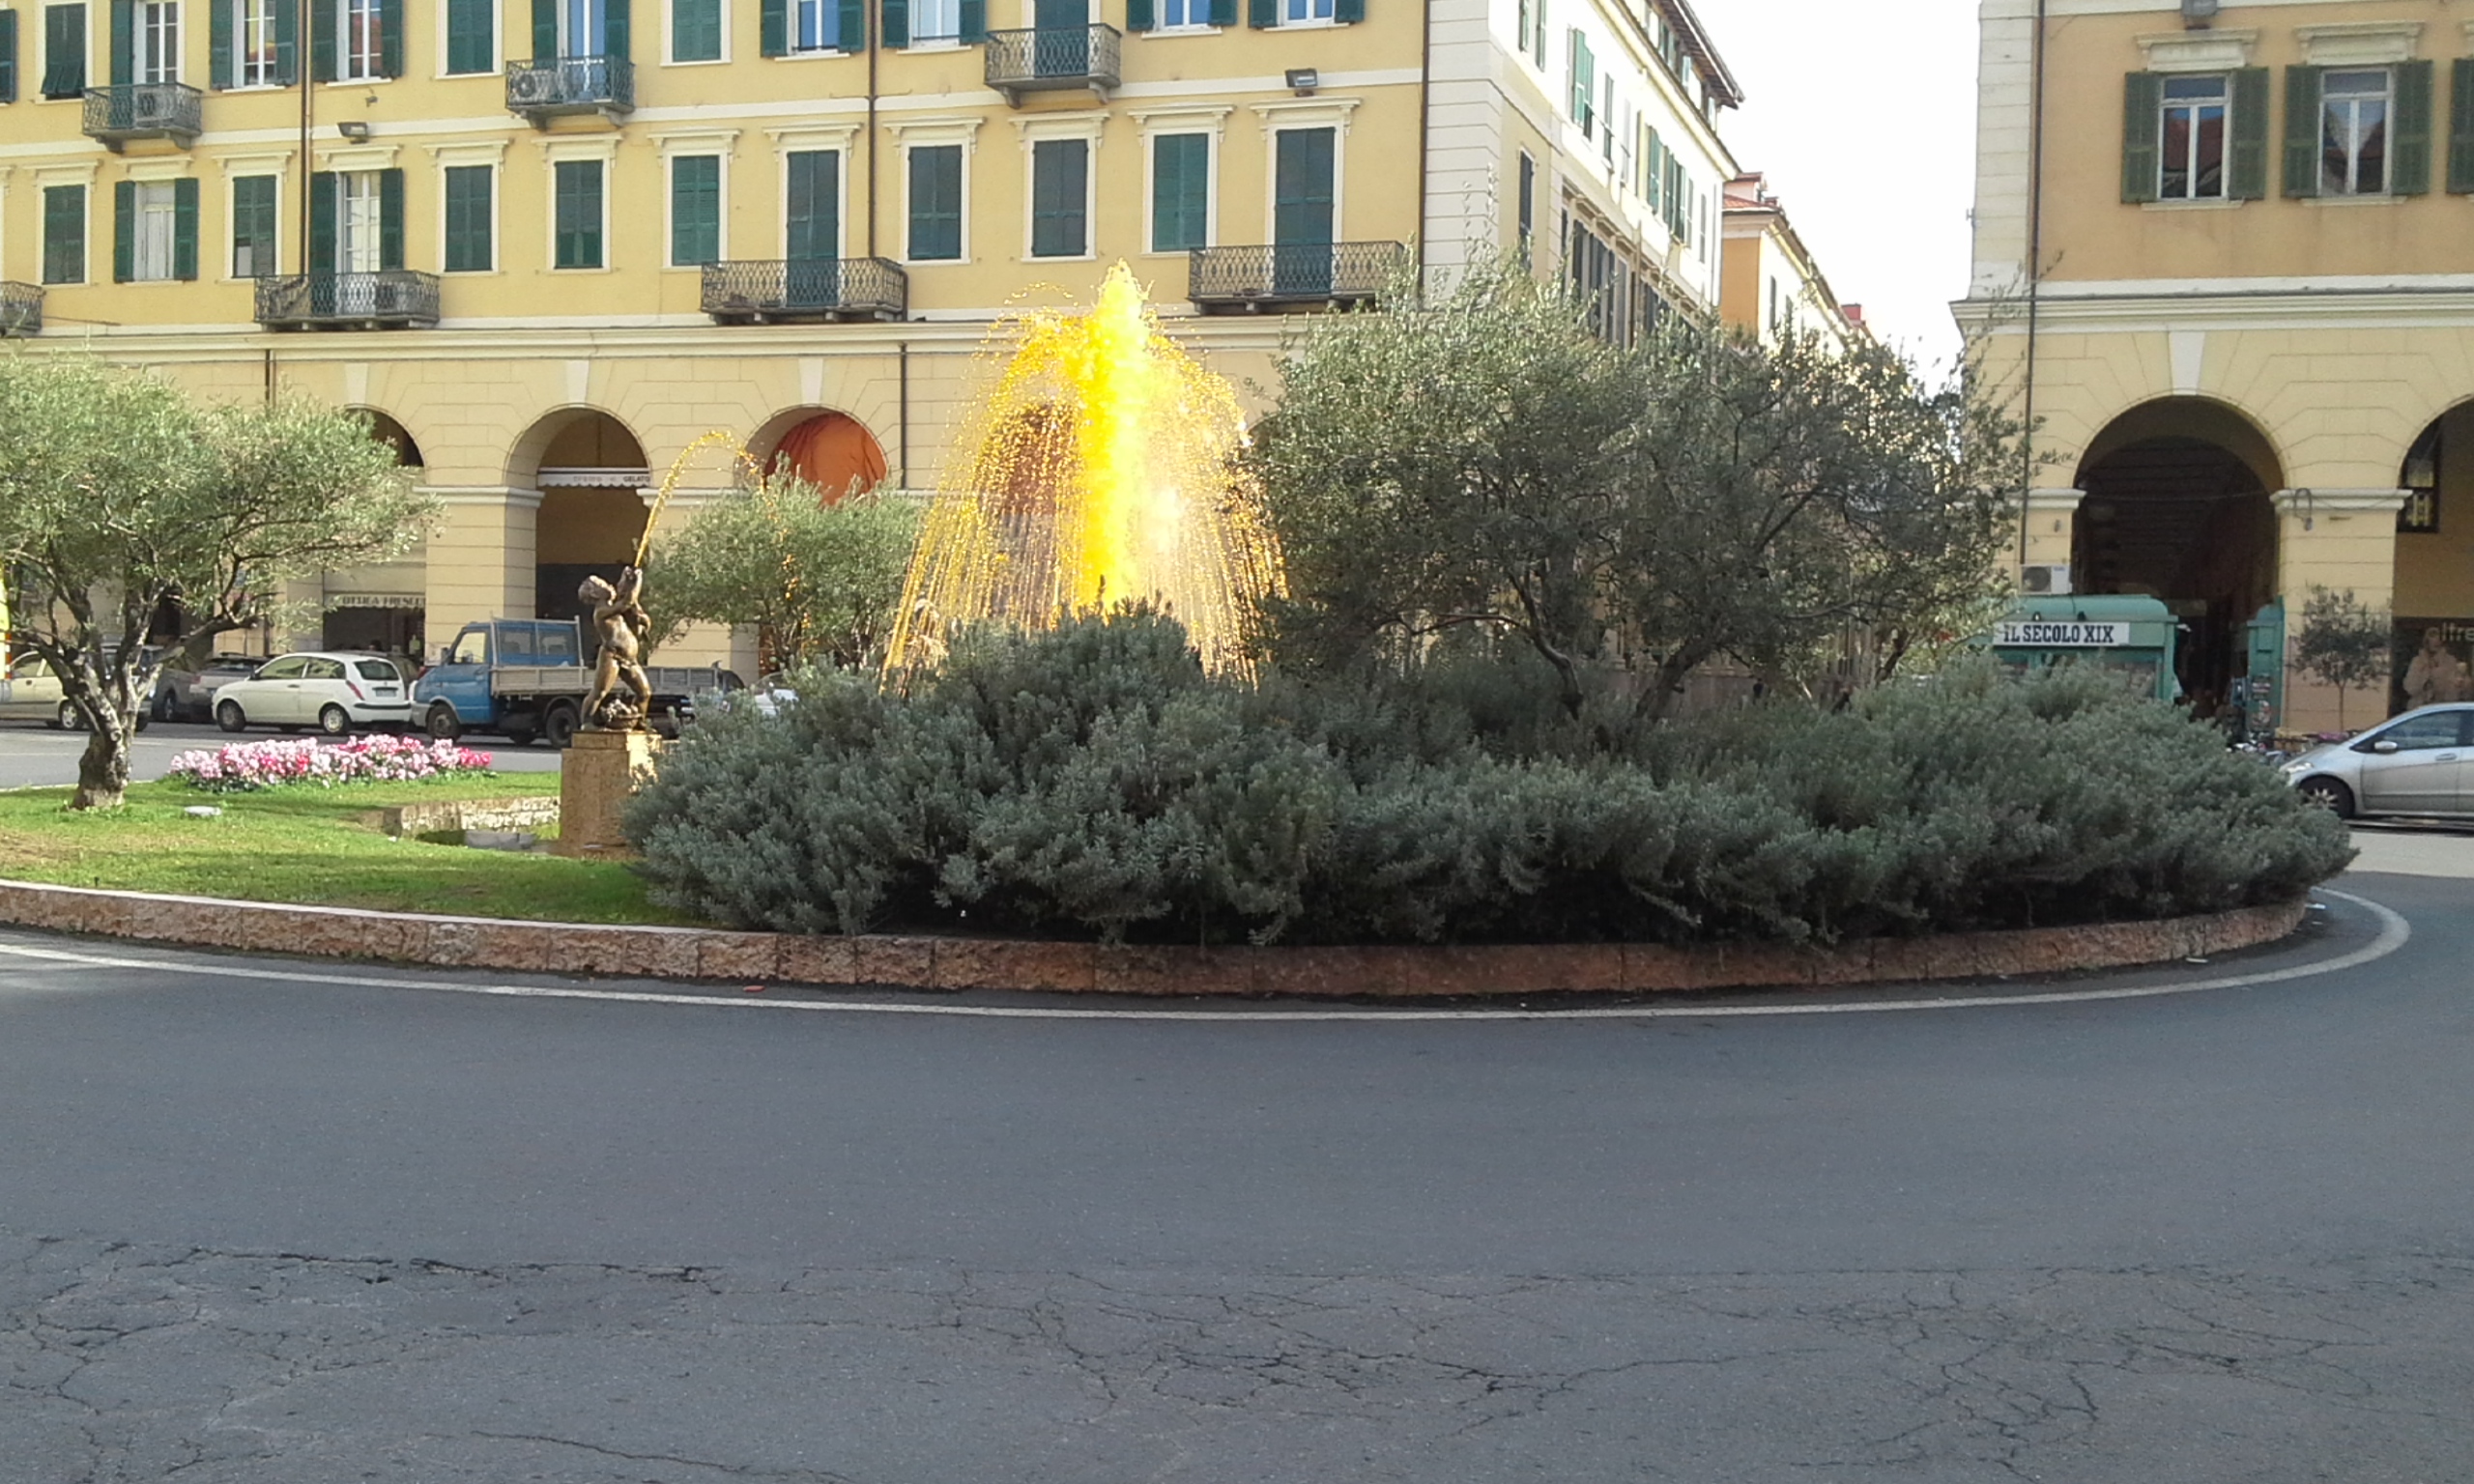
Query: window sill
(940, 262)
(698, 62)
(603, 269)
(494, 72)
(2382, 199)
(827, 54)
(1076, 257)
(1205, 30)
(2204, 204)
(934, 44)
(1316, 23)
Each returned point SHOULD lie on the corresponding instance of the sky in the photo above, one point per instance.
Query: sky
(1863, 118)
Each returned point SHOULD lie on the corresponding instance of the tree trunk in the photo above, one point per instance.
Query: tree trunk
(102, 769)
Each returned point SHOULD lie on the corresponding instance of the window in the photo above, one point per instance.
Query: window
(360, 46)
(1180, 193)
(696, 31)
(1607, 135)
(472, 40)
(816, 25)
(469, 238)
(1584, 96)
(472, 647)
(1528, 199)
(2420, 514)
(2353, 134)
(357, 224)
(2191, 166)
(2422, 733)
(941, 20)
(150, 203)
(1184, 15)
(582, 29)
(63, 234)
(159, 41)
(1296, 12)
(812, 206)
(259, 42)
(937, 203)
(695, 210)
(576, 240)
(255, 230)
(290, 667)
(1060, 213)
(63, 52)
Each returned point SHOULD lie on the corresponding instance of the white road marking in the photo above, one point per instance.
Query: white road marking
(2394, 930)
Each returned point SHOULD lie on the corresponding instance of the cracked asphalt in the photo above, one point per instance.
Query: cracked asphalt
(266, 1233)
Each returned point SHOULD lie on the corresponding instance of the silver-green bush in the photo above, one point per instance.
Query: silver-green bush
(1094, 780)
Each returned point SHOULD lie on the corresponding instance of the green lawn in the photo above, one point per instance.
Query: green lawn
(320, 845)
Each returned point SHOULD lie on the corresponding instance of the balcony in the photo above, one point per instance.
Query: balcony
(144, 110)
(394, 299)
(545, 90)
(20, 309)
(1293, 275)
(805, 291)
(1046, 61)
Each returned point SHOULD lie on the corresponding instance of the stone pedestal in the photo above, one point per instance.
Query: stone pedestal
(601, 771)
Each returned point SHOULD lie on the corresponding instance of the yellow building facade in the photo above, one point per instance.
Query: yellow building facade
(2225, 260)
(548, 245)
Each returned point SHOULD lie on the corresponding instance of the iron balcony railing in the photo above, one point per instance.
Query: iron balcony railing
(755, 293)
(144, 110)
(1292, 273)
(558, 85)
(1050, 58)
(393, 300)
(21, 308)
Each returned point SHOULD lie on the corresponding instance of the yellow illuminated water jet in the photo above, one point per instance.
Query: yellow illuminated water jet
(1101, 469)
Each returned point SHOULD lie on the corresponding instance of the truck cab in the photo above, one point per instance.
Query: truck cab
(461, 694)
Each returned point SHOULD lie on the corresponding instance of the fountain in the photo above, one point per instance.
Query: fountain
(1100, 470)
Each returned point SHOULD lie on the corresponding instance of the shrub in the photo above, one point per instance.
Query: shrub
(1095, 780)
(248, 766)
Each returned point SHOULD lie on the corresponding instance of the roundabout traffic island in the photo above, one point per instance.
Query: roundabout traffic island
(950, 964)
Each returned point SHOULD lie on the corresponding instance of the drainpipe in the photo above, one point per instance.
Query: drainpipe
(1426, 80)
(301, 48)
(871, 13)
(2035, 270)
(902, 428)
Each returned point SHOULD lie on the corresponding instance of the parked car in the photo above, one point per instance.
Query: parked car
(2420, 763)
(32, 692)
(529, 678)
(185, 695)
(333, 693)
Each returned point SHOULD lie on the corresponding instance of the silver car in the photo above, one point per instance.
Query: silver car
(2419, 763)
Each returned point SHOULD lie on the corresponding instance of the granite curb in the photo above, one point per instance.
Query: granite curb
(952, 963)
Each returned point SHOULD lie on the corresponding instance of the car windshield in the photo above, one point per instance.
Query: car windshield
(379, 670)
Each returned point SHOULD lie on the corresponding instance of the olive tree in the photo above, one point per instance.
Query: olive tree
(130, 513)
(2343, 641)
(817, 582)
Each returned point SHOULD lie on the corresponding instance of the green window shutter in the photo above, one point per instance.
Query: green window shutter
(695, 210)
(185, 229)
(1223, 12)
(811, 225)
(124, 231)
(63, 234)
(391, 220)
(2246, 153)
(468, 219)
(2143, 118)
(773, 27)
(8, 56)
(2460, 127)
(851, 26)
(1302, 194)
(124, 42)
(468, 36)
(253, 226)
(219, 43)
(974, 21)
(1060, 176)
(1180, 193)
(1262, 15)
(1139, 16)
(2410, 151)
(696, 30)
(1349, 12)
(325, 188)
(64, 51)
(323, 24)
(936, 202)
(618, 39)
(390, 37)
(578, 241)
(893, 22)
(287, 44)
(2302, 130)
(545, 30)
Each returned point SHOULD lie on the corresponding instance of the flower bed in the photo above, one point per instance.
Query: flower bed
(244, 767)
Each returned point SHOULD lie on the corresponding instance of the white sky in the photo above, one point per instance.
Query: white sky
(1863, 118)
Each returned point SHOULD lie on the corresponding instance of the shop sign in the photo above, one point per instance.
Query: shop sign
(2044, 634)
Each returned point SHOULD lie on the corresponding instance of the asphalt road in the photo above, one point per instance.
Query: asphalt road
(358, 1224)
(33, 754)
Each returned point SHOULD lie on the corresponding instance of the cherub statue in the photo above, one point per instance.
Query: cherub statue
(618, 621)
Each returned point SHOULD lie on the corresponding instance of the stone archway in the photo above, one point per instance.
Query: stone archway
(591, 470)
(2177, 508)
(834, 451)
(2434, 581)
